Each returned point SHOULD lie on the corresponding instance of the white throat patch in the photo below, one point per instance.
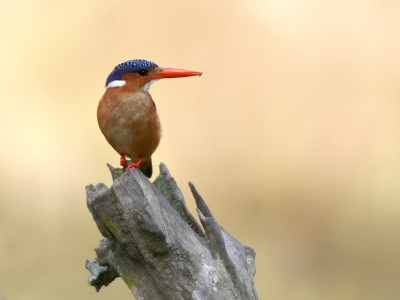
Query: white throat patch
(146, 87)
(116, 83)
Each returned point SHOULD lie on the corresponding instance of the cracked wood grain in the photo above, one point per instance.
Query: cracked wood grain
(158, 248)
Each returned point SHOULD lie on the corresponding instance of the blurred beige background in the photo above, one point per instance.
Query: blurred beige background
(292, 136)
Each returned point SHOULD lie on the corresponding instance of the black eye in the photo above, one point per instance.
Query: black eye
(143, 72)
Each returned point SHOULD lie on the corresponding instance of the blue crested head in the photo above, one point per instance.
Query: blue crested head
(130, 66)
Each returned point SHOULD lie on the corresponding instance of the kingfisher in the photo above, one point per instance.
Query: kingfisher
(127, 114)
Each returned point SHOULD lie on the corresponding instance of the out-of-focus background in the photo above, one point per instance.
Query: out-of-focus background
(292, 136)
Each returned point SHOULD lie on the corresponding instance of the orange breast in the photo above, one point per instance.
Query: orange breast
(129, 121)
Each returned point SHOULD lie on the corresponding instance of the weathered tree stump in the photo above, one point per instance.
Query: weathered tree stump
(158, 248)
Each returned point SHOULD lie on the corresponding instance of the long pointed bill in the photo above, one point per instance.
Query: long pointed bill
(174, 73)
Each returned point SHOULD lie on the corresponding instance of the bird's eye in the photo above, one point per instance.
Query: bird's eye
(143, 72)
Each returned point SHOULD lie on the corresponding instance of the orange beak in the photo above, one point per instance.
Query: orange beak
(173, 73)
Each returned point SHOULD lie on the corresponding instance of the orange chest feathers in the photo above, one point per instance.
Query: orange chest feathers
(129, 122)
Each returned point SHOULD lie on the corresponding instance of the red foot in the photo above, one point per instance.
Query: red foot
(134, 164)
(122, 160)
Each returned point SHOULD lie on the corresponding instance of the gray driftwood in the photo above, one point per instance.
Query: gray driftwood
(158, 248)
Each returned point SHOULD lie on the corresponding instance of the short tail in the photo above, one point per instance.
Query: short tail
(146, 167)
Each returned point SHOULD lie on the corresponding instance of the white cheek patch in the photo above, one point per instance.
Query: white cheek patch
(116, 83)
(146, 87)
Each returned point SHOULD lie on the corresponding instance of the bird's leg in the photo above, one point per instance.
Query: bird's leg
(134, 164)
(122, 160)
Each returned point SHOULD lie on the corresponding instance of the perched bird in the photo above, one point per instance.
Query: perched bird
(127, 114)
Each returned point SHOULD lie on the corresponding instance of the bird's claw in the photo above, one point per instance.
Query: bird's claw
(134, 164)
(122, 160)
